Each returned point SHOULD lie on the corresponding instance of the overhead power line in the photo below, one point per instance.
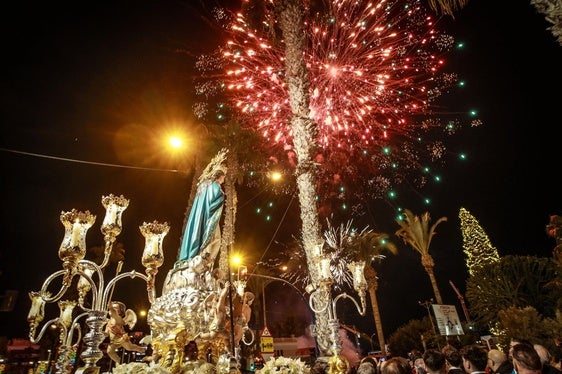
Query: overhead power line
(88, 162)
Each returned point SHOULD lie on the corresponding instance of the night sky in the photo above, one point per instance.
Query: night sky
(101, 84)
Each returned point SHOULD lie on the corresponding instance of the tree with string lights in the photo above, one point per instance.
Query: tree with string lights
(476, 244)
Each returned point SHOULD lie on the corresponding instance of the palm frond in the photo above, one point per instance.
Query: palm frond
(446, 7)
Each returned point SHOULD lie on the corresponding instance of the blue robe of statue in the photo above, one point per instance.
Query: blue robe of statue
(203, 219)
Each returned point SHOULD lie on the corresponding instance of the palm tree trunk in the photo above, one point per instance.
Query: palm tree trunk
(373, 284)
(428, 264)
(434, 285)
(291, 18)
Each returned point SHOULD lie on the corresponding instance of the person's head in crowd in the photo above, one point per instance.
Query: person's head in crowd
(452, 356)
(543, 353)
(370, 359)
(495, 359)
(396, 365)
(474, 358)
(434, 361)
(416, 361)
(517, 340)
(525, 359)
(366, 367)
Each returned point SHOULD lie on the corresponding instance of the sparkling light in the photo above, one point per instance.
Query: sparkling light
(372, 67)
(376, 72)
(175, 142)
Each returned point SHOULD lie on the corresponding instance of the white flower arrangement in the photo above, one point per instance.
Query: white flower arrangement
(194, 367)
(139, 368)
(198, 367)
(284, 365)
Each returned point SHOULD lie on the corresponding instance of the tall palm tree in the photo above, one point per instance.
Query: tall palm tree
(291, 22)
(417, 233)
(370, 246)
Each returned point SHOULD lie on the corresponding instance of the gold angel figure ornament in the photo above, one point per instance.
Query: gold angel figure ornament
(119, 317)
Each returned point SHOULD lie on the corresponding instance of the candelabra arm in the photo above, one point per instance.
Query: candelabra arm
(75, 326)
(111, 284)
(150, 289)
(117, 271)
(63, 330)
(107, 251)
(315, 301)
(35, 340)
(362, 309)
(87, 264)
(47, 283)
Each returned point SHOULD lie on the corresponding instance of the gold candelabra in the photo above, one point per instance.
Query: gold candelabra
(322, 301)
(91, 278)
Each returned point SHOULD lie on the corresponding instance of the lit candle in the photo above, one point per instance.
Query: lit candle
(152, 256)
(154, 246)
(66, 308)
(358, 271)
(83, 283)
(325, 273)
(76, 232)
(110, 215)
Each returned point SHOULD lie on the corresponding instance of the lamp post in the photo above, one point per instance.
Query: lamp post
(324, 292)
(427, 305)
(232, 344)
(72, 252)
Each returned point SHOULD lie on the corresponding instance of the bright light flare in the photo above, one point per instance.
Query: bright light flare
(175, 142)
(275, 176)
(236, 259)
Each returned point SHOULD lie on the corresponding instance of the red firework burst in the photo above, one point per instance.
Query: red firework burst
(373, 67)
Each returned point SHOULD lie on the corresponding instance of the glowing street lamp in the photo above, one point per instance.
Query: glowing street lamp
(275, 176)
(175, 142)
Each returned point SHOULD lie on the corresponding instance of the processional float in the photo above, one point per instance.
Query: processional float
(193, 304)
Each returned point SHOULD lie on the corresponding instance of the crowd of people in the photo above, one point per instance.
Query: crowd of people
(523, 357)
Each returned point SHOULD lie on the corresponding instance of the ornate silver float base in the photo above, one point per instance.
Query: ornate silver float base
(92, 354)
